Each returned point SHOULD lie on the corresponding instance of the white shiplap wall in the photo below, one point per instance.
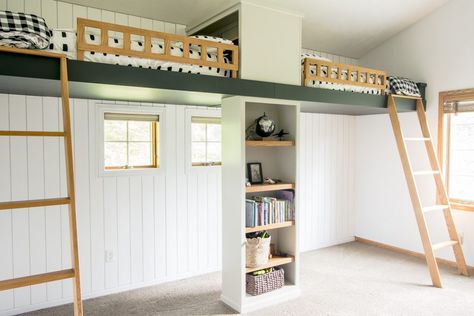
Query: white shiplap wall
(159, 227)
(334, 58)
(326, 180)
(63, 15)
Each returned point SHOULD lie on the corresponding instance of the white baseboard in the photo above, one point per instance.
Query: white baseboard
(123, 288)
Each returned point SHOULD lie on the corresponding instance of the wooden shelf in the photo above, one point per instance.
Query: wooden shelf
(270, 143)
(268, 227)
(269, 187)
(273, 262)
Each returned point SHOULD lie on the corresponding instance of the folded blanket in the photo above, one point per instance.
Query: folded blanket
(402, 86)
(23, 30)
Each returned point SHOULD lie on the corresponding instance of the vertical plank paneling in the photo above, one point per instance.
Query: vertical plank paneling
(81, 173)
(193, 224)
(51, 190)
(182, 203)
(160, 187)
(136, 229)
(326, 204)
(96, 206)
(33, 6)
(202, 214)
(123, 228)
(110, 230)
(49, 11)
(6, 246)
(19, 189)
(65, 15)
(148, 220)
(34, 118)
(16, 5)
(78, 12)
(171, 194)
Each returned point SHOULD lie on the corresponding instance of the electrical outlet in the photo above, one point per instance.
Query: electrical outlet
(461, 237)
(109, 256)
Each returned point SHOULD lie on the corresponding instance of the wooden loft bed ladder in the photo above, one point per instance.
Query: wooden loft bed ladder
(442, 195)
(72, 273)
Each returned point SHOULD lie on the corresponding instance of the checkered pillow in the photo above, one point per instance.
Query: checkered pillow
(23, 30)
(399, 85)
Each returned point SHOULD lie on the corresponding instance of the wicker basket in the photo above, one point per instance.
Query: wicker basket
(257, 251)
(267, 282)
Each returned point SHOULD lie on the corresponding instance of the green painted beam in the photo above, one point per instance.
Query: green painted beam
(34, 75)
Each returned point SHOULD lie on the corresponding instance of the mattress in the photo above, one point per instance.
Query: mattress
(64, 41)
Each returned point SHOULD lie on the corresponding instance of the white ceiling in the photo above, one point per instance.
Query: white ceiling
(344, 27)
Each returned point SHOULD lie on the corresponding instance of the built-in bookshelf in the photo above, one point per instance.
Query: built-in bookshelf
(279, 162)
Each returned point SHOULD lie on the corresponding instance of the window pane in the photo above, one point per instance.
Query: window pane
(139, 131)
(461, 157)
(214, 132)
(115, 154)
(198, 152)
(139, 154)
(213, 152)
(198, 132)
(115, 130)
(461, 188)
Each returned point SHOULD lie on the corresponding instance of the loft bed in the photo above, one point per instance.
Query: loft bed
(38, 74)
(320, 72)
(129, 46)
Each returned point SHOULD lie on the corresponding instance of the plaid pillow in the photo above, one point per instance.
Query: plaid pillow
(23, 30)
(399, 85)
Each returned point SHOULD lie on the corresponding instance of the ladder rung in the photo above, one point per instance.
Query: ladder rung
(33, 203)
(444, 244)
(417, 139)
(435, 208)
(36, 279)
(427, 172)
(401, 96)
(32, 133)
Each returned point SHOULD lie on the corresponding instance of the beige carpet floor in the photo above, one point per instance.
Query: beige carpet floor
(350, 279)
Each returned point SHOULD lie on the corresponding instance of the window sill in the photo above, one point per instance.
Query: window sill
(119, 172)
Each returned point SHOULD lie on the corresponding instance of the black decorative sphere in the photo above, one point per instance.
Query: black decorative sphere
(264, 126)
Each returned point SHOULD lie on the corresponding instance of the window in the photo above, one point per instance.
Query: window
(205, 141)
(130, 141)
(456, 128)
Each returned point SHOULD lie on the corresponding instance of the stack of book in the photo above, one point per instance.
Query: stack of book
(269, 210)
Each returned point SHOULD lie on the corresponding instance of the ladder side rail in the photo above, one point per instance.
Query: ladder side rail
(442, 194)
(425, 238)
(78, 309)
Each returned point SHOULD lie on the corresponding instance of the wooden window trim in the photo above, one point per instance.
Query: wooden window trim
(444, 138)
(154, 153)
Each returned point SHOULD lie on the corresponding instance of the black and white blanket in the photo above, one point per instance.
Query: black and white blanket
(23, 30)
(402, 86)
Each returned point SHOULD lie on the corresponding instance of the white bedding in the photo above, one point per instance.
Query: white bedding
(64, 41)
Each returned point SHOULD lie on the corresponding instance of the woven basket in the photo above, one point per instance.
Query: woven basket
(257, 251)
(267, 282)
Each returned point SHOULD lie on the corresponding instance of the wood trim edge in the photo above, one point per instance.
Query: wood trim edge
(406, 252)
